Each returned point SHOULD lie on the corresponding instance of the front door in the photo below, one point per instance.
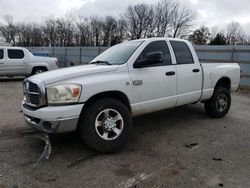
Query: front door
(14, 62)
(154, 86)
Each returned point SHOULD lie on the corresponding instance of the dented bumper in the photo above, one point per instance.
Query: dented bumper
(53, 119)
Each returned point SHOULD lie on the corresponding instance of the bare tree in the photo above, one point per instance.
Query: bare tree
(61, 31)
(164, 11)
(139, 18)
(109, 26)
(121, 30)
(24, 33)
(182, 21)
(83, 34)
(49, 30)
(167, 18)
(234, 33)
(70, 29)
(30, 34)
(96, 26)
(214, 31)
(37, 35)
(65, 29)
(9, 31)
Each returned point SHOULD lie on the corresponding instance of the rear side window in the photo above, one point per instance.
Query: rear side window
(157, 46)
(1, 54)
(15, 54)
(182, 52)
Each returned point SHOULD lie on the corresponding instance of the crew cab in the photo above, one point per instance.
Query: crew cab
(129, 79)
(16, 61)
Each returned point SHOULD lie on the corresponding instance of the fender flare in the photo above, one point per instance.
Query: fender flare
(33, 65)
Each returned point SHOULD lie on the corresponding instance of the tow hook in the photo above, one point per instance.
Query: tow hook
(47, 148)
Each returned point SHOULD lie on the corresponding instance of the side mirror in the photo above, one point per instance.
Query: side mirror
(152, 58)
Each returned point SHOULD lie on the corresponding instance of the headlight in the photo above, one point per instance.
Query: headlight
(64, 93)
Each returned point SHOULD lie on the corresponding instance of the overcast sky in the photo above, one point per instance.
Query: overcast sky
(209, 12)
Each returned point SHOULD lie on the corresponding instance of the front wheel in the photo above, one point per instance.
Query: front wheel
(219, 104)
(106, 125)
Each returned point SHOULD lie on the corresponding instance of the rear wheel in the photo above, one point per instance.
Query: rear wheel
(38, 70)
(219, 105)
(106, 125)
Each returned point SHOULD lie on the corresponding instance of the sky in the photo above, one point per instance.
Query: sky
(209, 12)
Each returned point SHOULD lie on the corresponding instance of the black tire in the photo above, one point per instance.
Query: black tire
(38, 70)
(92, 136)
(214, 107)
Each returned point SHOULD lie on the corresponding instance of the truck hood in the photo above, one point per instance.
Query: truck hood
(71, 72)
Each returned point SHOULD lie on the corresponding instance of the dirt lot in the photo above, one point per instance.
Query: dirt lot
(180, 147)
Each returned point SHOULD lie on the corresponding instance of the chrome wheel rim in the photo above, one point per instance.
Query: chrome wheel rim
(109, 124)
(221, 102)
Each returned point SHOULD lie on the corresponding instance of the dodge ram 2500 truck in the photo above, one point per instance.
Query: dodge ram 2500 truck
(16, 61)
(128, 79)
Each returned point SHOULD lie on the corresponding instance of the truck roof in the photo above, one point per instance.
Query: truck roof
(160, 38)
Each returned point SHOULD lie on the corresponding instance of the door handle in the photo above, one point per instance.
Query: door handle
(170, 73)
(196, 70)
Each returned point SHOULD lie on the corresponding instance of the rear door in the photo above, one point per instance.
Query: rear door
(15, 63)
(189, 74)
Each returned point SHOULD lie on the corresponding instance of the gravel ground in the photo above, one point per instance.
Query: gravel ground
(180, 147)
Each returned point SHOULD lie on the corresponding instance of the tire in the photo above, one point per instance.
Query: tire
(38, 70)
(100, 130)
(219, 104)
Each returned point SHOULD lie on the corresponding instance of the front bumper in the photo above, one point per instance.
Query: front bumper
(53, 119)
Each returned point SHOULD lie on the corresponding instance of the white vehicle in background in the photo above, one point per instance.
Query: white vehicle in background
(16, 61)
(128, 79)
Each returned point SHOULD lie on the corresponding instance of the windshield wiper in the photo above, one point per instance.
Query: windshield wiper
(100, 62)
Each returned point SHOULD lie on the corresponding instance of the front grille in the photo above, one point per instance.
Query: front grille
(34, 99)
(33, 94)
(33, 87)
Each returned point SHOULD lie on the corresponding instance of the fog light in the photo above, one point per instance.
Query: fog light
(48, 126)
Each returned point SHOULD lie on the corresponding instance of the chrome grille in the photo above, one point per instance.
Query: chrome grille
(34, 99)
(33, 87)
(34, 94)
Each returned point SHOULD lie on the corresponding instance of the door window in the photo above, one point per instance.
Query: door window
(182, 52)
(15, 54)
(157, 46)
(1, 54)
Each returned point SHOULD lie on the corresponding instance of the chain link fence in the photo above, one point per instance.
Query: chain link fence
(69, 56)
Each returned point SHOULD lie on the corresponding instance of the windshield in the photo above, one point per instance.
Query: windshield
(119, 53)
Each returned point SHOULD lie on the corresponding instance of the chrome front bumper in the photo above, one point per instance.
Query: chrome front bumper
(53, 119)
(59, 126)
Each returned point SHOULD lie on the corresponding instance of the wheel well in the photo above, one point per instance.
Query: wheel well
(224, 82)
(39, 67)
(109, 94)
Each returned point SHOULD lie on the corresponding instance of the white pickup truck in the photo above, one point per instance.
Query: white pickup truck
(128, 79)
(16, 61)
